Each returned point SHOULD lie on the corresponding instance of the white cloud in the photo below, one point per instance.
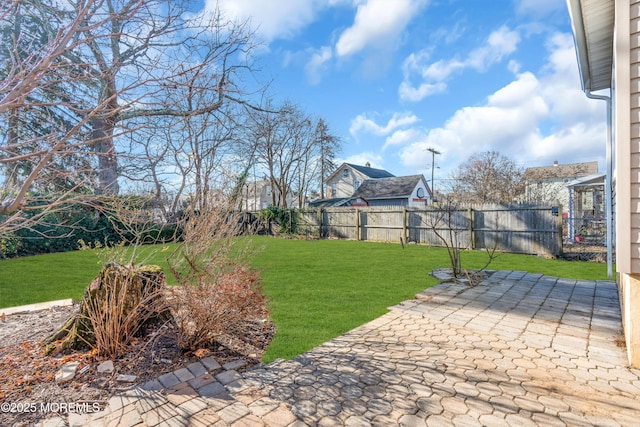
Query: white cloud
(414, 94)
(402, 137)
(509, 116)
(378, 23)
(500, 43)
(442, 69)
(432, 76)
(514, 66)
(562, 87)
(364, 124)
(539, 8)
(318, 64)
(533, 119)
(274, 18)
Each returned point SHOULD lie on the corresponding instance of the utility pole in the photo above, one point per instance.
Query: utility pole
(433, 152)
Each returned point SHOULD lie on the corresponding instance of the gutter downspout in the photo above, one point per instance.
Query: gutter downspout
(608, 182)
(575, 13)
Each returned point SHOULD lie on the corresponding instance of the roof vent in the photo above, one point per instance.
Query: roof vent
(555, 163)
(368, 165)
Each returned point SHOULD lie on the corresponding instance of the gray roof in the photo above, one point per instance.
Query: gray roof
(330, 203)
(388, 188)
(572, 170)
(371, 172)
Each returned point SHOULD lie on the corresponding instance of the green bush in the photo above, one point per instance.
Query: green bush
(9, 247)
(63, 230)
(285, 218)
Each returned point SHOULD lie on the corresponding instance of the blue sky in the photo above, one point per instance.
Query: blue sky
(395, 77)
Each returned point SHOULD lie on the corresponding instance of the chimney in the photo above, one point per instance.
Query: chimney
(367, 164)
(555, 163)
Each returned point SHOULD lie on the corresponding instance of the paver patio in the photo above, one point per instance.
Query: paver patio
(519, 349)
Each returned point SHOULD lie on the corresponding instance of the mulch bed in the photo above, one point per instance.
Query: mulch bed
(28, 376)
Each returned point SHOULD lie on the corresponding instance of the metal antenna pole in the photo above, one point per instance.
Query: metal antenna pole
(433, 152)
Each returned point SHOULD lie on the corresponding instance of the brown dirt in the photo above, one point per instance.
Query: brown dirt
(28, 376)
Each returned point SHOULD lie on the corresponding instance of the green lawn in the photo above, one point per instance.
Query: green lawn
(317, 289)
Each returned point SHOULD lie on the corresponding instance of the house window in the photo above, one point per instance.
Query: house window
(345, 173)
(334, 190)
(356, 184)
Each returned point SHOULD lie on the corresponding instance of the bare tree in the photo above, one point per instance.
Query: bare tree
(488, 177)
(188, 157)
(283, 139)
(315, 163)
(42, 146)
(149, 51)
(108, 65)
(329, 146)
(29, 70)
(307, 171)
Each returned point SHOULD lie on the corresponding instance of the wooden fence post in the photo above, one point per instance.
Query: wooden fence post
(405, 226)
(472, 236)
(357, 224)
(559, 251)
(319, 219)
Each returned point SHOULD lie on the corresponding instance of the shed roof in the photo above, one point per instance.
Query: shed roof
(388, 188)
(330, 203)
(572, 170)
(589, 180)
(592, 22)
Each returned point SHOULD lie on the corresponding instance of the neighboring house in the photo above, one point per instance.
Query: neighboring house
(348, 177)
(608, 50)
(257, 195)
(549, 183)
(396, 191)
(355, 185)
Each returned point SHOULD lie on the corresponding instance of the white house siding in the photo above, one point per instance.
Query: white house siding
(554, 191)
(414, 200)
(344, 186)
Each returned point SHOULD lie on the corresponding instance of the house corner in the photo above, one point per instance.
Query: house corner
(629, 293)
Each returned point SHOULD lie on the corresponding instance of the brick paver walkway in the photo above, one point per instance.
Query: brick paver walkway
(519, 349)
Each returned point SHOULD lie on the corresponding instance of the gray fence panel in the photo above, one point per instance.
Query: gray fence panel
(530, 229)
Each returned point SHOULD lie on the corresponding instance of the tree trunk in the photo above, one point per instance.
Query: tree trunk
(107, 157)
(116, 306)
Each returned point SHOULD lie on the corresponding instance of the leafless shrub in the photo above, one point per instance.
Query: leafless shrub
(121, 304)
(115, 307)
(218, 290)
(217, 306)
(451, 226)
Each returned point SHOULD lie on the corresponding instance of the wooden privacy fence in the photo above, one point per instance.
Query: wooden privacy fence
(528, 229)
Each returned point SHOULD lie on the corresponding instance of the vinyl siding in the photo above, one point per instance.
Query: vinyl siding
(345, 185)
(634, 146)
